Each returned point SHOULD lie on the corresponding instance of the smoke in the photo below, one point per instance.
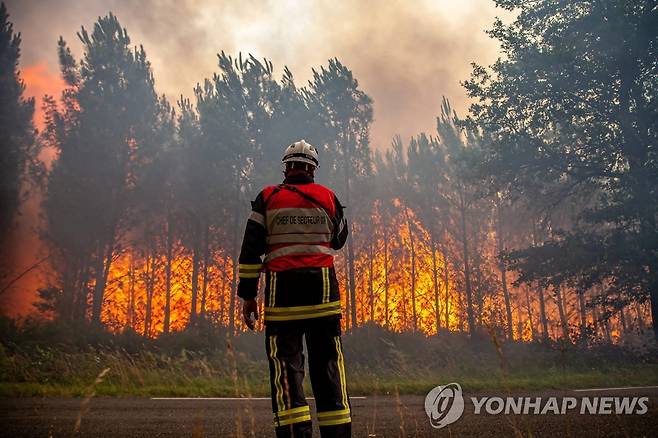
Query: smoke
(406, 55)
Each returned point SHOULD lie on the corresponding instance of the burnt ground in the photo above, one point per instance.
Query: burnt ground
(374, 416)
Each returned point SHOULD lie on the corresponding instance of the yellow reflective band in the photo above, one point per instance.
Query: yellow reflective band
(303, 308)
(301, 419)
(297, 410)
(326, 414)
(294, 415)
(278, 397)
(325, 285)
(249, 270)
(341, 371)
(272, 288)
(302, 312)
(302, 316)
(322, 423)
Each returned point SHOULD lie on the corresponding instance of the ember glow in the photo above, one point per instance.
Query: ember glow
(397, 274)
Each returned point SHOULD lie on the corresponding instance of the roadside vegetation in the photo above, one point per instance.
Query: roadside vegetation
(42, 358)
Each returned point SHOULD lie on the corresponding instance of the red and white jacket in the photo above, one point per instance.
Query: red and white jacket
(297, 226)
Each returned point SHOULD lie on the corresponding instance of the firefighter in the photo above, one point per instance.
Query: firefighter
(298, 225)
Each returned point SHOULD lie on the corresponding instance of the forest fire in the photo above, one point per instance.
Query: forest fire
(394, 288)
(427, 247)
(399, 283)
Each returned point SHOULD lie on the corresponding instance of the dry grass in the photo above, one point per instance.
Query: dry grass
(379, 362)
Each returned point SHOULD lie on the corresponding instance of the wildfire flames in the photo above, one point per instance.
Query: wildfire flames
(396, 272)
(403, 280)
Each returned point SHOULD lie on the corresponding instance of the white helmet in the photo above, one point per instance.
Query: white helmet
(301, 152)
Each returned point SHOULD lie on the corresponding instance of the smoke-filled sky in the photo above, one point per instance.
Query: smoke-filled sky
(406, 54)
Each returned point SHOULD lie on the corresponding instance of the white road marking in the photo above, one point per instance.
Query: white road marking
(230, 398)
(623, 388)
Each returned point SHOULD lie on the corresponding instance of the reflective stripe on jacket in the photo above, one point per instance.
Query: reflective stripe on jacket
(299, 226)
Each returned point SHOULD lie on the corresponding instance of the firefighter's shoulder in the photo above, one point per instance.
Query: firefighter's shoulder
(258, 203)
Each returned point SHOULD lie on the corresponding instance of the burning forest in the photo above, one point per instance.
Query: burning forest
(144, 202)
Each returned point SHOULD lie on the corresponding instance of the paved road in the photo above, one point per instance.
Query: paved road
(376, 416)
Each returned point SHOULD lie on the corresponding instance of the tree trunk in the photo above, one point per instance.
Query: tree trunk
(533, 333)
(105, 255)
(653, 295)
(460, 304)
(81, 297)
(519, 323)
(150, 286)
(195, 276)
(606, 330)
(542, 314)
(622, 320)
(234, 293)
(351, 282)
(467, 270)
(475, 248)
(169, 255)
(563, 316)
(386, 285)
(348, 301)
(371, 286)
(222, 299)
(582, 312)
(435, 283)
(131, 293)
(204, 275)
(147, 309)
(640, 317)
(503, 274)
(412, 244)
(68, 287)
(446, 280)
(97, 294)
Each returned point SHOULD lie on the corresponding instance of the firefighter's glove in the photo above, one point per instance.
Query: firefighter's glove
(249, 308)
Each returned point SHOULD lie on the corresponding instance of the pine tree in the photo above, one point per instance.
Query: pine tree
(572, 113)
(17, 139)
(104, 135)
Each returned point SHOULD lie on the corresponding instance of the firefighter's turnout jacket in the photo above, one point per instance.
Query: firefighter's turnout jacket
(297, 226)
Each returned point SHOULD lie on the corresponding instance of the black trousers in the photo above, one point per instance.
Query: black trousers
(292, 415)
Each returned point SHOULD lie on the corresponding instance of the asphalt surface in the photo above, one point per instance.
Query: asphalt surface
(374, 416)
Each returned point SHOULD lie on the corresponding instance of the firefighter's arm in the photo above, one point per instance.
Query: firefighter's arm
(340, 226)
(253, 247)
